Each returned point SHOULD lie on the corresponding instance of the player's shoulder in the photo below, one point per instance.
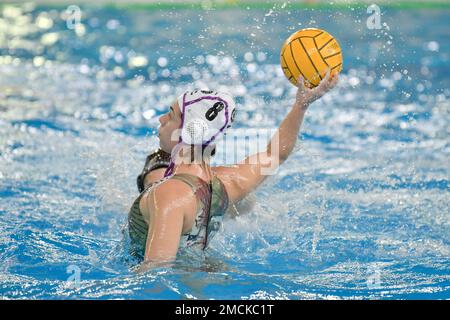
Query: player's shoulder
(169, 192)
(172, 189)
(230, 177)
(224, 170)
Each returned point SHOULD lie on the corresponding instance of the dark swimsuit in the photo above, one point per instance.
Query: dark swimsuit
(208, 218)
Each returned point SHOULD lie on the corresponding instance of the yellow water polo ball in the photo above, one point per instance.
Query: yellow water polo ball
(310, 52)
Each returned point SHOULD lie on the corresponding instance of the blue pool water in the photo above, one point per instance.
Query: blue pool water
(360, 210)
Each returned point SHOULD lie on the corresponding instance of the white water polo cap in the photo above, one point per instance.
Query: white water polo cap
(205, 116)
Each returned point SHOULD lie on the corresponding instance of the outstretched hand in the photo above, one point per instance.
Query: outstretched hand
(305, 96)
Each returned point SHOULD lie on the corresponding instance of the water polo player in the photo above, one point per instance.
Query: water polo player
(182, 198)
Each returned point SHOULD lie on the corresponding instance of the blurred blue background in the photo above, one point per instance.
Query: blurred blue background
(360, 210)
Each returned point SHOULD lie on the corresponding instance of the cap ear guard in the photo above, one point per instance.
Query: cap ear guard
(194, 132)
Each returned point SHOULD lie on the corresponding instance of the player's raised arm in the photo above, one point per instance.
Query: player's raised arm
(283, 141)
(248, 174)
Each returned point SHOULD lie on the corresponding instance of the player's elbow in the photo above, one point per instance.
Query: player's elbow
(283, 157)
(285, 152)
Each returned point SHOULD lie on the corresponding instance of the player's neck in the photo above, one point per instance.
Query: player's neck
(193, 160)
(199, 170)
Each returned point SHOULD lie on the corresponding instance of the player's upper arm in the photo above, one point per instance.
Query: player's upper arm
(166, 218)
(242, 178)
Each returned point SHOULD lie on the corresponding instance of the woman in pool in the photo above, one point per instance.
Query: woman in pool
(183, 199)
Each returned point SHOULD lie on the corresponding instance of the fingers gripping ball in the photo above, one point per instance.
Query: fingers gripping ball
(310, 53)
